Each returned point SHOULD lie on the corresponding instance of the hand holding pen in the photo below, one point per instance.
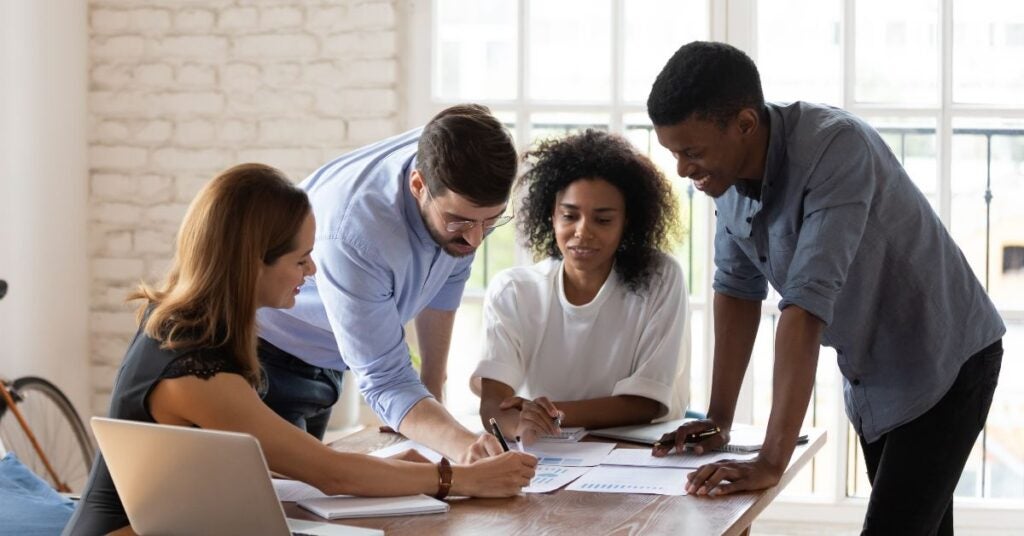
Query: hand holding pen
(699, 436)
(537, 417)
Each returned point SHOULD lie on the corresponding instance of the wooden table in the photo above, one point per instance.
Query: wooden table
(576, 512)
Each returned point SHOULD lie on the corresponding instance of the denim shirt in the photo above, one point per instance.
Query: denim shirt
(377, 268)
(840, 231)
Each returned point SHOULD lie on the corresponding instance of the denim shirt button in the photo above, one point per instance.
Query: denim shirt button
(762, 258)
(749, 219)
(855, 382)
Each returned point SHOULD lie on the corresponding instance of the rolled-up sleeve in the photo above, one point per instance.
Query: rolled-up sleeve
(735, 275)
(661, 352)
(357, 291)
(835, 210)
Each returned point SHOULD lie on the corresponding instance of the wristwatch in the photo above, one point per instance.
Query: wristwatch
(444, 478)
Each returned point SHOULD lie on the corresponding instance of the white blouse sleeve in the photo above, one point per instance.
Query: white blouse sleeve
(501, 358)
(662, 351)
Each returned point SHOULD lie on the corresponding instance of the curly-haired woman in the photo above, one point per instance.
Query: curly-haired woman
(595, 334)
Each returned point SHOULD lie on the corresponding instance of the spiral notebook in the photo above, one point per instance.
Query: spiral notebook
(342, 507)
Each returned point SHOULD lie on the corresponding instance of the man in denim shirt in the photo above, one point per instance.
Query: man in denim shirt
(397, 224)
(810, 200)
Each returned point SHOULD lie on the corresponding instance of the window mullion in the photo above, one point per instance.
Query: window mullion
(945, 141)
(618, 52)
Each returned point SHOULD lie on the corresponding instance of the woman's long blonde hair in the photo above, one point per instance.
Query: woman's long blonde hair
(246, 217)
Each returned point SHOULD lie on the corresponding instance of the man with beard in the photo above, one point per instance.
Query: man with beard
(397, 225)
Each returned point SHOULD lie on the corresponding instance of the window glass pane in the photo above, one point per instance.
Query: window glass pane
(988, 163)
(804, 62)
(463, 357)
(897, 52)
(497, 253)
(700, 368)
(476, 50)
(988, 47)
(570, 51)
(912, 140)
(693, 206)
(654, 30)
(1004, 457)
(556, 125)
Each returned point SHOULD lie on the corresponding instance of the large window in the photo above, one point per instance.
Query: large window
(942, 80)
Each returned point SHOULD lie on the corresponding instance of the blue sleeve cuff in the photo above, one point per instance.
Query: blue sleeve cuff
(744, 290)
(393, 405)
(811, 300)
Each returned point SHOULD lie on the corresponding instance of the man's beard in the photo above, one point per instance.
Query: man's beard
(446, 243)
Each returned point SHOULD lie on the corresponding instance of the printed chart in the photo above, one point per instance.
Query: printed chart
(551, 477)
(617, 479)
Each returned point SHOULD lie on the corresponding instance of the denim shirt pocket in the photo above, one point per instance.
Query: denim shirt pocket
(780, 255)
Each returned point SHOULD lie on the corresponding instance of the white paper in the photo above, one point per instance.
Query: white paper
(551, 477)
(569, 434)
(427, 452)
(570, 454)
(618, 479)
(688, 460)
(295, 490)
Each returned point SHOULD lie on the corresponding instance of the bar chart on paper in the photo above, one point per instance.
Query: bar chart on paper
(615, 479)
(551, 477)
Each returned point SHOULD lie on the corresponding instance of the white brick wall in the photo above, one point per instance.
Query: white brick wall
(180, 90)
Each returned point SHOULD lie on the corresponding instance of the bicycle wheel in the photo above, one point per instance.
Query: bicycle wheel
(57, 428)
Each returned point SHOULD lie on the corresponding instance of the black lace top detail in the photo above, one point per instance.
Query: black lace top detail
(203, 365)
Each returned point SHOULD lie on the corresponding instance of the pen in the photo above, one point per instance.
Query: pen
(497, 433)
(519, 444)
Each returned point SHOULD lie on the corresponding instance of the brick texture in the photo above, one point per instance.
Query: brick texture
(181, 90)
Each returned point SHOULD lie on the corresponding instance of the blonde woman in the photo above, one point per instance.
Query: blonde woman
(245, 243)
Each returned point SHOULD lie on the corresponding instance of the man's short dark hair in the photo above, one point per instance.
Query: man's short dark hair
(467, 150)
(706, 80)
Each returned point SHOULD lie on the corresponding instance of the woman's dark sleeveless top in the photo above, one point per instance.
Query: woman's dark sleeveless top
(100, 510)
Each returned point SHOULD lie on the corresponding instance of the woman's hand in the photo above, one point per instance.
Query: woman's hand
(485, 446)
(537, 417)
(498, 476)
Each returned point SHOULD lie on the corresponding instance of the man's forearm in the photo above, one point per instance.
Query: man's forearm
(797, 344)
(434, 333)
(736, 323)
(430, 424)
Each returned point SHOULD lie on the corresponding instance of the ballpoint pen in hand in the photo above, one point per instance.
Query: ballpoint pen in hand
(497, 433)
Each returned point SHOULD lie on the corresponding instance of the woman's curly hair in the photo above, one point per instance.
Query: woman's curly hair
(651, 207)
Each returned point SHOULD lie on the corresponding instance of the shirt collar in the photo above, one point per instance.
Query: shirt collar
(776, 149)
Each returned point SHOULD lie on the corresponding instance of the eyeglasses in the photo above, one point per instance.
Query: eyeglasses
(462, 226)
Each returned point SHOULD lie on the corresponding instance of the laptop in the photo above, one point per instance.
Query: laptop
(178, 480)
